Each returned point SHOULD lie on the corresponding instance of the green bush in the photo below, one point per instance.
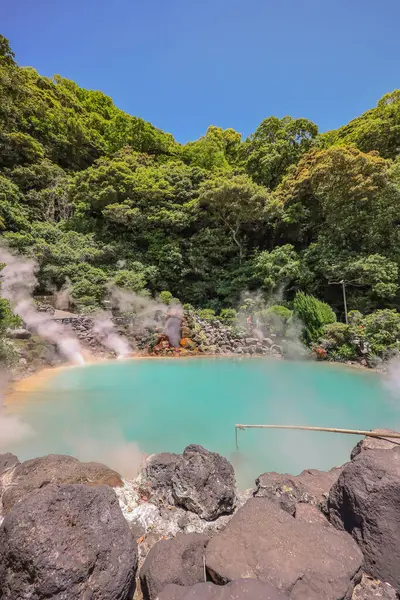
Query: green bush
(355, 317)
(208, 314)
(313, 314)
(166, 297)
(336, 334)
(8, 353)
(188, 307)
(346, 352)
(275, 318)
(7, 317)
(228, 316)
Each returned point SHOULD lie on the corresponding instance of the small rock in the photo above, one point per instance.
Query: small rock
(372, 443)
(19, 334)
(7, 462)
(179, 560)
(371, 589)
(311, 486)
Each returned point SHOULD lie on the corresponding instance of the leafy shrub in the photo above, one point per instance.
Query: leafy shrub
(8, 353)
(228, 316)
(346, 352)
(314, 314)
(336, 334)
(275, 318)
(208, 314)
(188, 307)
(355, 317)
(166, 297)
(7, 317)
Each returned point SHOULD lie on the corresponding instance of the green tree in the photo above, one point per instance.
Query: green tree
(344, 193)
(279, 268)
(237, 204)
(274, 146)
(6, 54)
(313, 314)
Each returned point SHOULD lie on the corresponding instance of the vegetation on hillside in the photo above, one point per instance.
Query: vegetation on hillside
(99, 197)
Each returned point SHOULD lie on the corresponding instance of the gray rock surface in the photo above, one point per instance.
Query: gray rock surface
(371, 443)
(307, 561)
(157, 475)
(179, 561)
(18, 334)
(204, 483)
(54, 468)
(243, 589)
(7, 462)
(365, 501)
(311, 486)
(67, 542)
(373, 589)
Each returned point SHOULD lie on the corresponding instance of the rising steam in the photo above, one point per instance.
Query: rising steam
(149, 313)
(106, 333)
(18, 281)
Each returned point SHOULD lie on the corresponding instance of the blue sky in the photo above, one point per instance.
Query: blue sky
(187, 64)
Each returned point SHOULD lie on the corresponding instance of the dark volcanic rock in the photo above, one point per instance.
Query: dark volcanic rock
(307, 561)
(365, 501)
(55, 468)
(179, 560)
(311, 486)
(204, 483)
(243, 589)
(372, 589)
(7, 462)
(67, 542)
(157, 474)
(371, 443)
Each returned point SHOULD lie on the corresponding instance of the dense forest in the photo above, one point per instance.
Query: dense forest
(99, 197)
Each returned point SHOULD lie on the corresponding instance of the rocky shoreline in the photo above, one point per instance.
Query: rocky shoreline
(181, 530)
(197, 337)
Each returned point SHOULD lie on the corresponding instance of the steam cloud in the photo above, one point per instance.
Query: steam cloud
(12, 428)
(105, 331)
(18, 281)
(149, 312)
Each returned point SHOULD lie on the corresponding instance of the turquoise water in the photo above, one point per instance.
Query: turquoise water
(98, 411)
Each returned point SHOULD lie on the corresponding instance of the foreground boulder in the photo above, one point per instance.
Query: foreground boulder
(179, 561)
(204, 483)
(54, 468)
(373, 589)
(307, 561)
(243, 589)
(311, 486)
(198, 480)
(372, 443)
(68, 542)
(365, 501)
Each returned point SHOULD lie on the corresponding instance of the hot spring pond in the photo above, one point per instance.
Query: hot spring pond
(105, 411)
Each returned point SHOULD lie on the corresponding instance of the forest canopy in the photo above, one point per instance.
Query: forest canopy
(100, 197)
